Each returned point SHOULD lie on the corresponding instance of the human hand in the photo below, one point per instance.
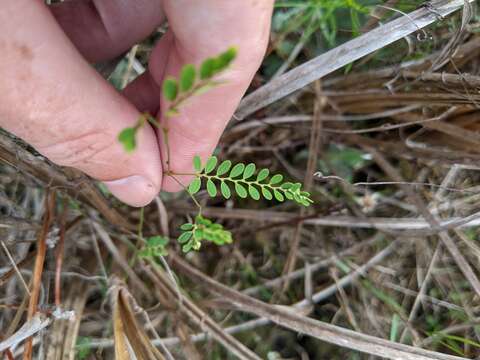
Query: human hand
(53, 99)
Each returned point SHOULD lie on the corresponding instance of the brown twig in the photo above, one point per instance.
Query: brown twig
(38, 267)
(59, 255)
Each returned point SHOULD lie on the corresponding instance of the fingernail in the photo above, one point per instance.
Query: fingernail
(134, 190)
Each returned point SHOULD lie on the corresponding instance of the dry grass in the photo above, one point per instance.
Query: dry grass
(384, 265)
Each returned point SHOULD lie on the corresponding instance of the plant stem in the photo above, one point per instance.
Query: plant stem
(188, 192)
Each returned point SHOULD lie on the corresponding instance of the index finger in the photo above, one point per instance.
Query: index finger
(200, 30)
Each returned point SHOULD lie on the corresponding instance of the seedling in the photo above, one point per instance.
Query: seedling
(223, 178)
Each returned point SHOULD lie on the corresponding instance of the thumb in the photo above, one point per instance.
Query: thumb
(55, 101)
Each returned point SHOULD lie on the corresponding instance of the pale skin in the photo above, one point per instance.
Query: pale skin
(53, 99)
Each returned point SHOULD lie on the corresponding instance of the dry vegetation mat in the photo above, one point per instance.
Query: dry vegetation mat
(374, 108)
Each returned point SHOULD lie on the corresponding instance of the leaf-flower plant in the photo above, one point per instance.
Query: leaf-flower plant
(219, 178)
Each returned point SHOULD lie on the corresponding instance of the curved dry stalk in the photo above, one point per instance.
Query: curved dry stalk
(330, 333)
(345, 54)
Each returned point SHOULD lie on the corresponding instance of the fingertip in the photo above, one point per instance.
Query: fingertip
(134, 190)
(171, 186)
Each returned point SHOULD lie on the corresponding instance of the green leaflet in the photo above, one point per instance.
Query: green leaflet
(197, 163)
(278, 195)
(207, 69)
(262, 175)
(254, 194)
(249, 171)
(170, 89)
(211, 163)
(195, 186)
(211, 188)
(267, 193)
(224, 60)
(187, 77)
(225, 190)
(224, 167)
(237, 170)
(241, 191)
(276, 179)
(127, 139)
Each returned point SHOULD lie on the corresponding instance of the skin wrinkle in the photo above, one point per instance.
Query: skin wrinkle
(73, 151)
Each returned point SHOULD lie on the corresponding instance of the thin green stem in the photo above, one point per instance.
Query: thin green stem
(182, 98)
(167, 145)
(139, 235)
(174, 173)
(153, 121)
(140, 223)
(188, 192)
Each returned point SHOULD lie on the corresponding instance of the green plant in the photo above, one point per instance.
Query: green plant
(318, 15)
(240, 179)
(245, 182)
(203, 229)
(83, 348)
(154, 246)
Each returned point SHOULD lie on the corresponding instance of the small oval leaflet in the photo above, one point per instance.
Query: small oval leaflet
(211, 188)
(225, 190)
(253, 192)
(262, 175)
(224, 167)
(278, 195)
(266, 193)
(197, 163)
(187, 77)
(184, 237)
(241, 191)
(195, 186)
(276, 179)
(127, 139)
(211, 163)
(170, 89)
(249, 171)
(237, 170)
